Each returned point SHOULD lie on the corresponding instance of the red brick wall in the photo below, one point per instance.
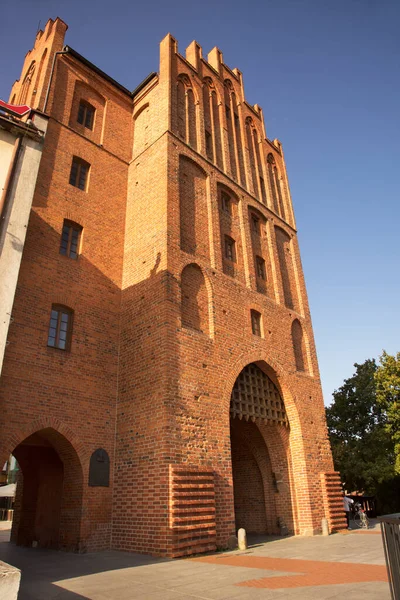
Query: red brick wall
(138, 382)
(76, 390)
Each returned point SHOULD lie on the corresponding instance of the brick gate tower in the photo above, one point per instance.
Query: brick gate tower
(160, 386)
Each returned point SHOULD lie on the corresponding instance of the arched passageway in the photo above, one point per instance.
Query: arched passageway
(48, 504)
(260, 450)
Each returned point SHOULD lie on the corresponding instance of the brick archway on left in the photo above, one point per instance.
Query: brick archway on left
(48, 505)
(18, 435)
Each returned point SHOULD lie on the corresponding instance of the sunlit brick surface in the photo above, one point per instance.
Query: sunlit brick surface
(184, 195)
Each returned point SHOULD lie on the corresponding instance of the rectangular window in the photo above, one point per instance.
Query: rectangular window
(70, 238)
(60, 328)
(260, 267)
(226, 205)
(79, 173)
(230, 251)
(255, 224)
(86, 114)
(255, 322)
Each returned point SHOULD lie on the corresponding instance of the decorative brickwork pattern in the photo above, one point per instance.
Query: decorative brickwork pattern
(333, 500)
(192, 511)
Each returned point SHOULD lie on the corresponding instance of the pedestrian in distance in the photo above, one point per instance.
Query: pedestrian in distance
(347, 503)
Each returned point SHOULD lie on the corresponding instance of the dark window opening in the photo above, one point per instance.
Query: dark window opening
(209, 145)
(79, 173)
(262, 186)
(226, 205)
(230, 251)
(60, 328)
(255, 224)
(86, 114)
(256, 322)
(260, 266)
(70, 238)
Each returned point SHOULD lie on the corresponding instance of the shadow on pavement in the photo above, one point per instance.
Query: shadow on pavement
(255, 539)
(41, 568)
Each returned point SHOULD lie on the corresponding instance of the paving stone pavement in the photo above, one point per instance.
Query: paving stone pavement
(349, 565)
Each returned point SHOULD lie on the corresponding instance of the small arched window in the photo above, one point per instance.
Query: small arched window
(60, 327)
(260, 268)
(70, 239)
(256, 325)
(226, 203)
(79, 174)
(230, 248)
(86, 114)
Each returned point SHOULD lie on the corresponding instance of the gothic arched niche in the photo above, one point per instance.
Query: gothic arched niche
(193, 208)
(194, 303)
(285, 258)
(299, 349)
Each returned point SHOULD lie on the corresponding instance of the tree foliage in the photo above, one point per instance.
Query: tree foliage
(387, 381)
(362, 449)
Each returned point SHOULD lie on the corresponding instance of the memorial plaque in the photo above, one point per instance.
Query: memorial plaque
(99, 469)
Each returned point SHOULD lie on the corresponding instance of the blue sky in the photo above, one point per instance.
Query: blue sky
(326, 74)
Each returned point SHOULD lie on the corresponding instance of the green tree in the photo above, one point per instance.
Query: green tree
(387, 380)
(362, 449)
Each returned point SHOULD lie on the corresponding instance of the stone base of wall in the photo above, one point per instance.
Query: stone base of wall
(9, 581)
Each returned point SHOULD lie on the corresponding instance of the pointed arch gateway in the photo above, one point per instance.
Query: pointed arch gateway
(260, 430)
(48, 504)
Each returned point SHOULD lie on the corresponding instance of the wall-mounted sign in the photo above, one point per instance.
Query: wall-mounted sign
(13, 109)
(99, 468)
